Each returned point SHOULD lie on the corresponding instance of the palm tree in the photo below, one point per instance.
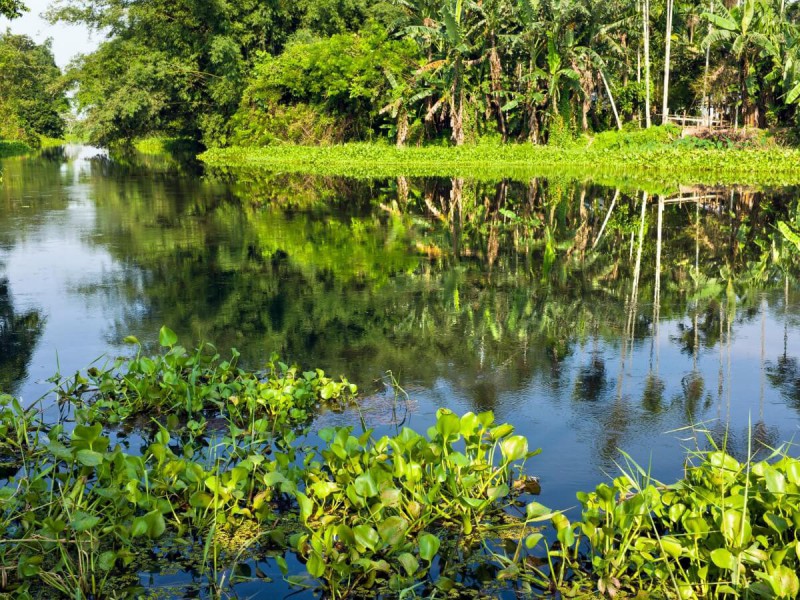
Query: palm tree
(450, 46)
(742, 30)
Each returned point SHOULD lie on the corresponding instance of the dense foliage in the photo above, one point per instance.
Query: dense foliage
(322, 71)
(11, 8)
(32, 99)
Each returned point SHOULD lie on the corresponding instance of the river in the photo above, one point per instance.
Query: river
(592, 319)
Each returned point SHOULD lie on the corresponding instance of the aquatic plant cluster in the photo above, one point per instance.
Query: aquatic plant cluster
(657, 160)
(227, 473)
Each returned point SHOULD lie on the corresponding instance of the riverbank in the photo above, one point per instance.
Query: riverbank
(10, 148)
(623, 160)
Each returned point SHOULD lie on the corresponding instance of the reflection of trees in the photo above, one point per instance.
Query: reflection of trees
(490, 285)
(18, 336)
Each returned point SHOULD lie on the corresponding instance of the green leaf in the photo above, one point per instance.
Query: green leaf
(428, 546)
(533, 540)
(131, 339)
(315, 565)
(447, 423)
(366, 537)
(409, 562)
(166, 337)
(784, 582)
(138, 527)
(82, 521)
(365, 485)
(106, 560)
(393, 530)
(155, 524)
(89, 458)
(514, 448)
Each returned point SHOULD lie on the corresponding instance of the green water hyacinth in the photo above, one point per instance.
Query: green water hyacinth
(377, 508)
(728, 529)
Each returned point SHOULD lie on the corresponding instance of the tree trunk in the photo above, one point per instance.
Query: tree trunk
(611, 100)
(496, 73)
(402, 127)
(646, 26)
(533, 126)
(457, 107)
(667, 49)
(749, 109)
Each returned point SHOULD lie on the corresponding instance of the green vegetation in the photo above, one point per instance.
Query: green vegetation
(32, 98)
(229, 474)
(322, 71)
(15, 148)
(658, 163)
(11, 8)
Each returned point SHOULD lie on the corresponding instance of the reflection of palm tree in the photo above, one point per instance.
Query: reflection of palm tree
(591, 381)
(18, 337)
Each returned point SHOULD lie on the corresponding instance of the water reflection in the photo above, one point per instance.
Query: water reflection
(592, 318)
(19, 333)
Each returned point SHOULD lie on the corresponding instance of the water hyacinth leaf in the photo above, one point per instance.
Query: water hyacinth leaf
(306, 507)
(107, 560)
(723, 559)
(736, 528)
(777, 522)
(535, 511)
(166, 337)
(783, 581)
(409, 562)
(500, 491)
(60, 451)
(366, 537)
(155, 524)
(131, 339)
(282, 565)
(393, 530)
(469, 423)
(514, 448)
(365, 485)
(345, 534)
(428, 546)
(89, 458)
(323, 489)
(447, 423)
(500, 431)
(82, 521)
(776, 482)
(671, 546)
(315, 565)
(87, 433)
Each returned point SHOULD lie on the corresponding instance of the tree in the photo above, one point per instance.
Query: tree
(743, 30)
(11, 9)
(30, 87)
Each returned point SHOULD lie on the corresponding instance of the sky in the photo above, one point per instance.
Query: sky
(68, 40)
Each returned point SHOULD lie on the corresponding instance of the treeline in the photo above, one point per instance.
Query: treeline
(317, 71)
(32, 94)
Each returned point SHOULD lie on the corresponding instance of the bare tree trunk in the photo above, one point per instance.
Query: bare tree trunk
(706, 103)
(611, 99)
(457, 107)
(667, 49)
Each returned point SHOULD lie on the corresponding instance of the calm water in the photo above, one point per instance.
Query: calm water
(536, 300)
